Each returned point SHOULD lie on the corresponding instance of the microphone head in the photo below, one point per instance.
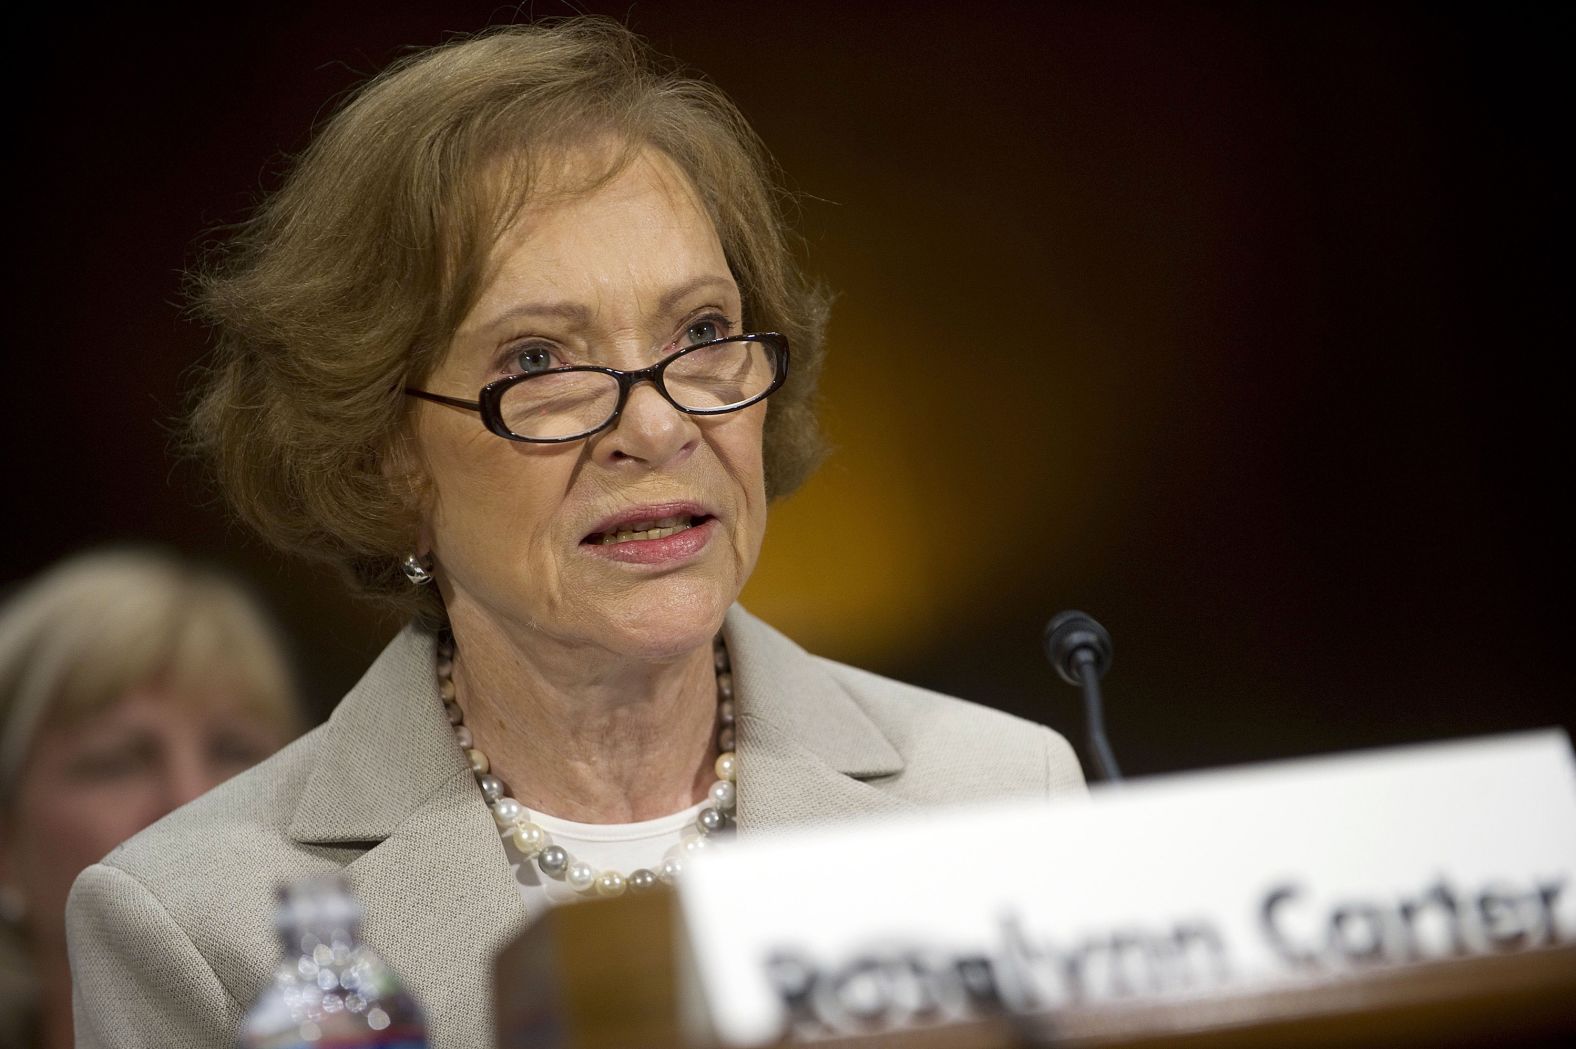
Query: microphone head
(1070, 632)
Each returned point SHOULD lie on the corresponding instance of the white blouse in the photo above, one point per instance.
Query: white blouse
(623, 847)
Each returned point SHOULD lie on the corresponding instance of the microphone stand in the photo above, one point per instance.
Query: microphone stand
(1080, 650)
(1085, 668)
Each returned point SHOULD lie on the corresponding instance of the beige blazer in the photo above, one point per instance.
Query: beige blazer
(172, 934)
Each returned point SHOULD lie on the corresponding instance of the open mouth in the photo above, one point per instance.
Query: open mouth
(654, 528)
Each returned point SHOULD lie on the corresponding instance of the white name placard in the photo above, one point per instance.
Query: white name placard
(1175, 886)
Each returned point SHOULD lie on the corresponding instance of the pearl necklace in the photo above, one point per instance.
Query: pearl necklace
(555, 861)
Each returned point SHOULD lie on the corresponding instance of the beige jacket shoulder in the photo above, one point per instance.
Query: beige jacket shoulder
(172, 934)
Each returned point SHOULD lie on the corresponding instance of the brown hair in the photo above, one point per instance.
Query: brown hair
(348, 282)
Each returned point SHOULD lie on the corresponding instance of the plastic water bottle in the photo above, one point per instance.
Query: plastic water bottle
(330, 990)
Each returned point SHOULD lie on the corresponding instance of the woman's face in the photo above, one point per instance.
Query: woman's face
(541, 539)
(94, 781)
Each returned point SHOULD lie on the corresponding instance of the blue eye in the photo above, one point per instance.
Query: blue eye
(704, 331)
(534, 359)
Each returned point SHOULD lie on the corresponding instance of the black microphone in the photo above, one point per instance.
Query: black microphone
(1080, 650)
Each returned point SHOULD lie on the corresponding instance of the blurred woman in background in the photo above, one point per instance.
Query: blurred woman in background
(130, 683)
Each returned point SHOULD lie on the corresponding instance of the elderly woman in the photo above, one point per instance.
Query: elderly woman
(520, 344)
(130, 683)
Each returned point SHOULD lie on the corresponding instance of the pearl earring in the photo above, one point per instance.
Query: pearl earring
(419, 574)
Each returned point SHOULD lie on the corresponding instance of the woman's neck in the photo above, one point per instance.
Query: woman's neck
(589, 736)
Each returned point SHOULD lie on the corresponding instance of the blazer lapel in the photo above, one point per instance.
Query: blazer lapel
(806, 748)
(389, 777)
(441, 878)
(391, 721)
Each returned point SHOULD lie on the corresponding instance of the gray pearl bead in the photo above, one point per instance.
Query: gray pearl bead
(724, 685)
(492, 787)
(642, 880)
(709, 820)
(553, 860)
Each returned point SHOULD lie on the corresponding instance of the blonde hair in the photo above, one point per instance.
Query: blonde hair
(347, 283)
(81, 635)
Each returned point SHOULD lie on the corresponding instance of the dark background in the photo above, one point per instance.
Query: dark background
(1244, 327)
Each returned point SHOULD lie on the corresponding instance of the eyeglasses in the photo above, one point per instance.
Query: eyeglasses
(566, 404)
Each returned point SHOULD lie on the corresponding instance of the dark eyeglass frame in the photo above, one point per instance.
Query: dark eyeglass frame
(488, 402)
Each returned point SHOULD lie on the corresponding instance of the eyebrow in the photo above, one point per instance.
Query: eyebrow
(578, 314)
